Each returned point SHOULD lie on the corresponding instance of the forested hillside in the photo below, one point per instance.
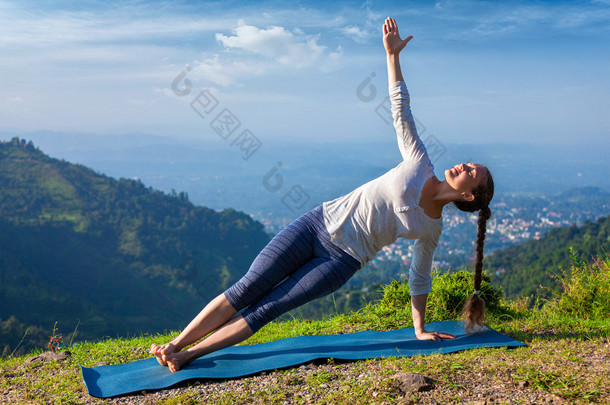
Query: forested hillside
(522, 268)
(114, 255)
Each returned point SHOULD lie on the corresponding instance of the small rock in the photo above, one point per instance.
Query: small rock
(413, 382)
(323, 385)
(47, 356)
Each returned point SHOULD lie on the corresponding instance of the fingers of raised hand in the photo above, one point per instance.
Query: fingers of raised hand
(391, 23)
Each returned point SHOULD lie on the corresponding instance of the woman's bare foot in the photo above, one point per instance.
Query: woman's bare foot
(175, 361)
(163, 350)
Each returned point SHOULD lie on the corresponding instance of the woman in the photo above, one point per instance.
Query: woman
(320, 251)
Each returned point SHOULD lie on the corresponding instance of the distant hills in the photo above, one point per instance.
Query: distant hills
(114, 255)
(521, 269)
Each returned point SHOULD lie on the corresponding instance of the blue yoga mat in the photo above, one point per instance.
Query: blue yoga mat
(239, 361)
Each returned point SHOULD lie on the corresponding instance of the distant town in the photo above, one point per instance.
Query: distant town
(515, 219)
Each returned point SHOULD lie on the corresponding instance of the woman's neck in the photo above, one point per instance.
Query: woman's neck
(435, 195)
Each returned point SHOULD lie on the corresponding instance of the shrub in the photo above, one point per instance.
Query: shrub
(585, 291)
(449, 294)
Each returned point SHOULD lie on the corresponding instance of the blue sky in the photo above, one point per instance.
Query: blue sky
(478, 71)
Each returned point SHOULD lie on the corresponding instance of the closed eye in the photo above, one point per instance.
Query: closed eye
(472, 172)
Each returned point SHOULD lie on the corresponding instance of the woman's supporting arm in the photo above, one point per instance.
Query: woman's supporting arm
(418, 308)
(393, 45)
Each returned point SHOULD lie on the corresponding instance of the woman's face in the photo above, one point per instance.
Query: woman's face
(464, 177)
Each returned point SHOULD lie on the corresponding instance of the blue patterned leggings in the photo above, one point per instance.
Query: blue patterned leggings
(298, 265)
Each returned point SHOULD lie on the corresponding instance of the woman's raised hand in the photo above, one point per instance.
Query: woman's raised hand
(391, 39)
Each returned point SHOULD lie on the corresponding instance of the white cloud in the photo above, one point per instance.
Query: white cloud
(370, 27)
(253, 51)
(14, 100)
(334, 61)
(224, 70)
(32, 28)
(275, 42)
(213, 70)
(356, 33)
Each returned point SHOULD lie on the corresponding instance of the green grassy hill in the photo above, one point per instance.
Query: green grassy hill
(107, 257)
(521, 269)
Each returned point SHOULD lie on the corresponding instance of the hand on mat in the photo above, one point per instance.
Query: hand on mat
(434, 335)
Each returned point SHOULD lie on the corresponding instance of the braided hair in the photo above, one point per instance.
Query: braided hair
(474, 309)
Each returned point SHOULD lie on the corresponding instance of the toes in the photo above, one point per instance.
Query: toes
(161, 360)
(167, 348)
(173, 362)
(172, 366)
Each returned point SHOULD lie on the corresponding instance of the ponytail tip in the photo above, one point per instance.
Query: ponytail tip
(473, 314)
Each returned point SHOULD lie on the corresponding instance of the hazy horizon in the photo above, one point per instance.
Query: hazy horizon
(288, 177)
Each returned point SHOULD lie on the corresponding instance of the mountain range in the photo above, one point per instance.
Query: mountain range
(119, 257)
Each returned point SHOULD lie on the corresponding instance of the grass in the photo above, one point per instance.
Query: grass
(566, 357)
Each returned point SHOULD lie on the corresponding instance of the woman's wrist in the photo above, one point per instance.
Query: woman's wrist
(394, 71)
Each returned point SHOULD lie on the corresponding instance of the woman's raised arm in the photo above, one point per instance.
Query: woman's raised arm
(393, 45)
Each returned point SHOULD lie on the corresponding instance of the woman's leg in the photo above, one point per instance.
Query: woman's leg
(215, 314)
(317, 278)
(289, 250)
(231, 333)
(297, 266)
